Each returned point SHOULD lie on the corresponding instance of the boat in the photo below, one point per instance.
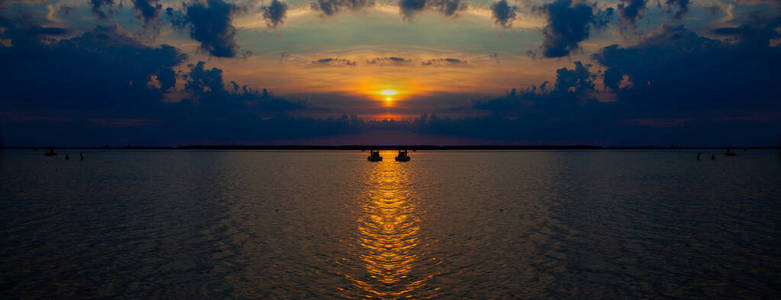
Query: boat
(50, 152)
(374, 155)
(403, 156)
(730, 153)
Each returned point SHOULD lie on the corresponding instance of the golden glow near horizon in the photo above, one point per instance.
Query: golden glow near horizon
(388, 93)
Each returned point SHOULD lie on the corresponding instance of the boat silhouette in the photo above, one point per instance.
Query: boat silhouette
(403, 156)
(374, 155)
(50, 152)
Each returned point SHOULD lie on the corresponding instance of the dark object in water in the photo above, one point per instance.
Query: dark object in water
(374, 155)
(81, 156)
(403, 156)
(67, 157)
(730, 153)
(50, 152)
(698, 155)
(713, 157)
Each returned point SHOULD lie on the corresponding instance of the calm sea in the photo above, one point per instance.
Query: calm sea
(449, 224)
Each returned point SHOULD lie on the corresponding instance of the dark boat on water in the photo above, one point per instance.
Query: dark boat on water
(403, 156)
(50, 152)
(730, 153)
(374, 155)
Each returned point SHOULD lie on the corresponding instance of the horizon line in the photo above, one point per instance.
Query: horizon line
(390, 147)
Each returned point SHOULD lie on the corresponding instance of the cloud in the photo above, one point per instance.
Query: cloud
(148, 10)
(99, 8)
(445, 61)
(503, 13)
(682, 7)
(274, 14)
(22, 33)
(697, 91)
(572, 87)
(207, 88)
(331, 61)
(446, 7)
(692, 73)
(87, 73)
(631, 11)
(331, 7)
(569, 23)
(210, 23)
(390, 60)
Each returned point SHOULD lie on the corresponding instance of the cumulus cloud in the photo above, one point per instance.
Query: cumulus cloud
(105, 87)
(572, 86)
(503, 13)
(409, 8)
(331, 7)
(631, 11)
(569, 23)
(444, 61)
(691, 72)
(88, 72)
(390, 60)
(207, 87)
(23, 33)
(332, 61)
(274, 14)
(210, 23)
(102, 8)
(148, 10)
(681, 7)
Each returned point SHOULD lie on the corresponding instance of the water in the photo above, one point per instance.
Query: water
(329, 224)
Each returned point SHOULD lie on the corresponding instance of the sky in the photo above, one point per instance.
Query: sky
(435, 72)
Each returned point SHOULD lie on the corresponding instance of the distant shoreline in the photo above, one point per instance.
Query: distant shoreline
(394, 147)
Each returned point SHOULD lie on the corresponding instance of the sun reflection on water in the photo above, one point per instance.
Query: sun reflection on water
(388, 235)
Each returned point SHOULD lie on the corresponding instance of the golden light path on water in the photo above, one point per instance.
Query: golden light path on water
(388, 234)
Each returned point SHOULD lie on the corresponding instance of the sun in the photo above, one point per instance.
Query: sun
(388, 92)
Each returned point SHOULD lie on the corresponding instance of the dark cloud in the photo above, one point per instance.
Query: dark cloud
(447, 7)
(274, 14)
(691, 72)
(444, 61)
(572, 88)
(207, 88)
(331, 61)
(696, 91)
(569, 23)
(25, 34)
(102, 8)
(756, 34)
(331, 7)
(631, 11)
(88, 73)
(210, 24)
(503, 13)
(681, 7)
(148, 10)
(410, 7)
(105, 87)
(390, 60)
